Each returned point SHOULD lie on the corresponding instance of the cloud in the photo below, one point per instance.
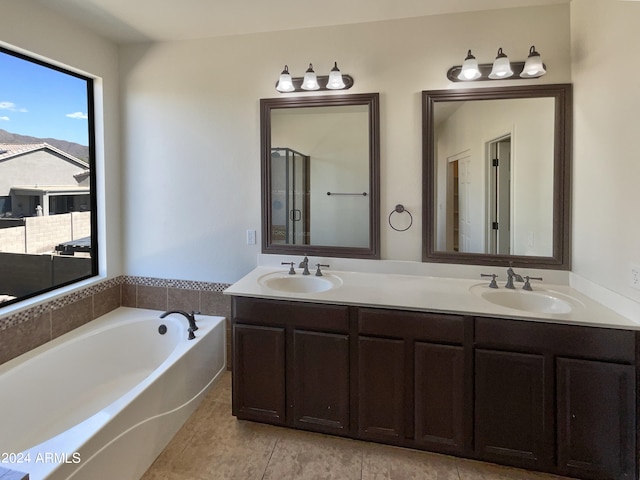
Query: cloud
(78, 115)
(5, 118)
(11, 107)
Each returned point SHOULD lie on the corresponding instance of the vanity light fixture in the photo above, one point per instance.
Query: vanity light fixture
(285, 83)
(501, 66)
(335, 82)
(533, 66)
(470, 70)
(500, 69)
(310, 82)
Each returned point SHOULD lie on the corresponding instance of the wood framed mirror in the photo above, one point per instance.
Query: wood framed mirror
(320, 175)
(497, 176)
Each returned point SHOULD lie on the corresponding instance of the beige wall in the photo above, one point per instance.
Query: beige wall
(192, 108)
(606, 170)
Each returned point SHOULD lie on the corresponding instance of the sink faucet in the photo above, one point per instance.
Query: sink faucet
(305, 265)
(191, 317)
(511, 276)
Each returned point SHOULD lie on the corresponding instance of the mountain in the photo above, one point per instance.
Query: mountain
(74, 149)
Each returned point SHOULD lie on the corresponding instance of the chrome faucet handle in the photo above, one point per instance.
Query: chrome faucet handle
(291, 270)
(318, 272)
(493, 283)
(527, 285)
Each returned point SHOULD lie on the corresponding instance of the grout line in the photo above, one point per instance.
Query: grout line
(270, 456)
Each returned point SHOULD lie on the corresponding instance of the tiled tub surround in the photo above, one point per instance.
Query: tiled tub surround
(30, 328)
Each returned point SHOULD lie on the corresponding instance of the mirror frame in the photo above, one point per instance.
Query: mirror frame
(372, 101)
(561, 254)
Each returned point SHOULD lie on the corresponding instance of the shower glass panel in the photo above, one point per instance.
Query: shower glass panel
(290, 197)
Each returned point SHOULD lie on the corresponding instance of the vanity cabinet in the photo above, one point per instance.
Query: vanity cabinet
(411, 379)
(556, 397)
(596, 432)
(538, 395)
(291, 364)
(509, 416)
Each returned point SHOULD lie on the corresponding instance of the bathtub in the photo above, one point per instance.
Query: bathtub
(102, 401)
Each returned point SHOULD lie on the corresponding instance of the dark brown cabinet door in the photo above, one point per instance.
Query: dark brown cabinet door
(381, 387)
(596, 419)
(510, 424)
(439, 396)
(320, 381)
(259, 373)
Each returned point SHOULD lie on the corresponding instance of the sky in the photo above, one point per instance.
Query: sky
(42, 102)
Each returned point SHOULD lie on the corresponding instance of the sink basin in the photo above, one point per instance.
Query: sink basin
(537, 301)
(283, 282)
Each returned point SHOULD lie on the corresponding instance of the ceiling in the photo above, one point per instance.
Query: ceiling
(130, 21)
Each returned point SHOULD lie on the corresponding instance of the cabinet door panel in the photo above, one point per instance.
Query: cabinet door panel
(509, 414)
(321, 381)
(596, 419)
(381, 389)
(259, 373)
(439, 396)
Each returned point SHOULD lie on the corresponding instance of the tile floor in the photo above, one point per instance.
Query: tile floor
(213, 445)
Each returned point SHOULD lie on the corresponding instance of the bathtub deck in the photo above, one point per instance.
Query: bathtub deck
(6, 474)
(213, 445)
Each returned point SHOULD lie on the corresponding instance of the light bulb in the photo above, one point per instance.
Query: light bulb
(501, 67)
(310, 81)
(335, 81)
(285, 83)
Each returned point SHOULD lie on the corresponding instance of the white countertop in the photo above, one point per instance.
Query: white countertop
(432, 294)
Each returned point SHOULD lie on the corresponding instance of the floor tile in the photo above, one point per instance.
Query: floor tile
(393, 463)
(214, 445)
(474, 470)
(310, 456)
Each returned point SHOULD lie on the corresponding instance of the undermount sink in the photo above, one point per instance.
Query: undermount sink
(283, 282)
(537, 301)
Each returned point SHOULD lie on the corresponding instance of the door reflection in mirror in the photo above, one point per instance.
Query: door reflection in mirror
(503, 209)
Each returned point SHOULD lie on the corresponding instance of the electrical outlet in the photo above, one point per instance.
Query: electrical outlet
(634, 279)
(251, 237)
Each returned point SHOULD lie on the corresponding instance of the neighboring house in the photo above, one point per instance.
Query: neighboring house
(39, 179)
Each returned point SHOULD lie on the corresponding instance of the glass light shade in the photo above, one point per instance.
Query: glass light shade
(470, 70)
(501, 67)
(533, 66)
(285, 83)
(335, 81)
(310, 81)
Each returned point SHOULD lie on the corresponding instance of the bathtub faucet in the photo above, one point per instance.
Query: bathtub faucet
(191, 317)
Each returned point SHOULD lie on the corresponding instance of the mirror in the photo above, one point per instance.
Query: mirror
(320, 175)
(496, 176)
(48, 225)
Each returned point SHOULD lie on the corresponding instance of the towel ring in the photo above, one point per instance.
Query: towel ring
(400, 209)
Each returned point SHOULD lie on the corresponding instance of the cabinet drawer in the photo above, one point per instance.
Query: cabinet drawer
(565, 340)
(417, 325)
(282, 313)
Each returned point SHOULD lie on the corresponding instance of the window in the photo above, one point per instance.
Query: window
(47, 177)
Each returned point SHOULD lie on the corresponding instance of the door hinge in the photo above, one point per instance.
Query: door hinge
(494, 225)
(495, 162)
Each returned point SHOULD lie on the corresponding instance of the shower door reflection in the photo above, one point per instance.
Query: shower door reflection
(289, 197)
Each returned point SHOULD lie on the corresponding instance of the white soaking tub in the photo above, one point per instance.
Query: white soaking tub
(102, 401)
